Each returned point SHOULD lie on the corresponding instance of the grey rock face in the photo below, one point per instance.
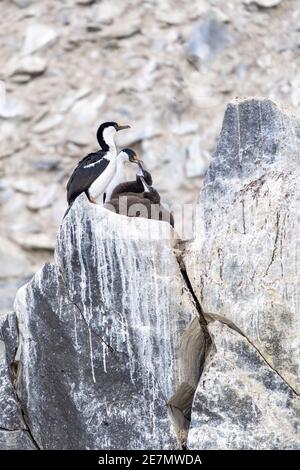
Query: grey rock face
(13, 431)
(100, 331)
(10, 418)
(111, 337)
(51, 108)
(243, 263)
(10, 412)
(16, 440)
(241, 403)
(9, 336)
(208, 39)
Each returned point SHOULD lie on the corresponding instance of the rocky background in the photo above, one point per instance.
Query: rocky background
(167, 67)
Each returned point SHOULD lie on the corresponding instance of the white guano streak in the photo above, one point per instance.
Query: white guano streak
(127, 311)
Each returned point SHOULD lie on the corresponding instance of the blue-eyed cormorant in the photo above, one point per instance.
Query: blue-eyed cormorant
(139, 195)
(126, 155)
(94, 172)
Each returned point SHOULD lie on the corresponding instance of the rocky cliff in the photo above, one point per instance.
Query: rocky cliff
(166, 67)
(132, 339)
(243, 265)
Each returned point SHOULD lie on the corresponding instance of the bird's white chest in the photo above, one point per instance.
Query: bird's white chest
(119, 177)
(100, 184)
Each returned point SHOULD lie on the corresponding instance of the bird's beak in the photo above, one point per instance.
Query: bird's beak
(120, 128)
(141, 174)
(136, 159)
(140, 163)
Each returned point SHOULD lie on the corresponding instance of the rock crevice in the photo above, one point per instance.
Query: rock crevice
(215, 317)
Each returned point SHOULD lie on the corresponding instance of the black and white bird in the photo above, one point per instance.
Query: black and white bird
(142, 200)
(94, 173)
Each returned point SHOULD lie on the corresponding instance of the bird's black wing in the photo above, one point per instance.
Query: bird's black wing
(86, 172)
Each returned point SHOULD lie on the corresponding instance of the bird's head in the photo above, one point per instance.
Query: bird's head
(129, 155)
(106, 133)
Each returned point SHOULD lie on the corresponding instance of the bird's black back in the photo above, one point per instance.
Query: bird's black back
(83, 176)
(128, 187)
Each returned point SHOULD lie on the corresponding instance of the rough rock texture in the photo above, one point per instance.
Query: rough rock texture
(15, 440)
(133, 339)
(241, 403)
(100, 332)
(243, 264)
(243, 268)
(13, 431)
